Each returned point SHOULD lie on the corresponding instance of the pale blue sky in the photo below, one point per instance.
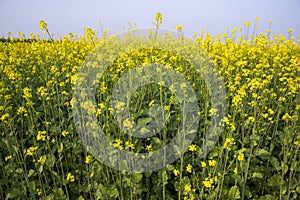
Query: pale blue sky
(65, 16)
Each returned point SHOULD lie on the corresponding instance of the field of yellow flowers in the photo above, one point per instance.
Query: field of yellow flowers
(257, 155)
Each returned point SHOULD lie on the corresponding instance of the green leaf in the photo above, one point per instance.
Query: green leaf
(138, 177)
(144, 121)
(262, 153)
(123, 164)
(41, 168)
(170, 167)
(112, 191)
(192, 131)
(298, 189)
(274, 161)
(30, 173)
(19, 170)
(81, 198)
(267, 197)
(50, 160)
(274, 180)
(156, 140)
(257, 175)
(177, 186)
(285, 167)
(234, 193)
(32, 185)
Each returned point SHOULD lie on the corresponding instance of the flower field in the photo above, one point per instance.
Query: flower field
(257, 155)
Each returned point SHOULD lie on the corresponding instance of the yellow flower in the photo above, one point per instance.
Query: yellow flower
(118, 144)
(72, 102)
(251, 119)
(7, 158)
(65, 133)
(151, 103)
(41, 135)
(149, 147)
(212, 163)
(158, 17)
(43, 25)
(286, 116)
(213, 111)
(88, 159)
(235, 171)
(119, 106)
(166, 108)
(161, 83)
(176, 172)
(31, 150)
(208, 182)
(4, 117)
(241, 156)
(129, 145)
(27, 93)
(178, 27)
(88, 106)
(39, 192)
(203, 164)
(229, 142)
(271, 112)
(128, 124)
(89, 33)
(248, 24)
(70, 177)
(189, 168)
(192, 147)
(22, 111)
(42, 91)
(187, 188)
(144, 130)
(42, 160)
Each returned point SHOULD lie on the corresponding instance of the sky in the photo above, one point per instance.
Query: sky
(64, 16)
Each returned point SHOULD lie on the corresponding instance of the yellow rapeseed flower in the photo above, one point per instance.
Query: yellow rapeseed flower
(229, 142)
(128, 124)
(64, 133)
(7, 158)
(149, 147)
(41, 135)
(192, 147)
(42, 160)
(187, 188)
(43, 26)
(235, 171)
(129, 145)
(208, 182)
(178, 27)
(22, 111)
(241, 156)
(189, 168)
(39, 192)
(212, 163)
(203, 164)
(31, 150)
(158, 17)
(176, 172)
(70, 177)
(88, 159)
